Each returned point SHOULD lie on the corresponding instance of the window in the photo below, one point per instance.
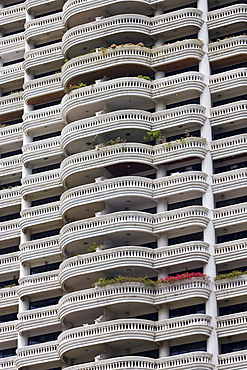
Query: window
(186, 203)
(185, 238)
(7, 250)
(43, 338)
(8, 317)
(44, 268)
(7, 352)
(228, 310)
(45, 200)
(233, 347)
(46, 168)
(43, 303)
(188, 347)
(8, 283)
(189, 310)
(45, 234)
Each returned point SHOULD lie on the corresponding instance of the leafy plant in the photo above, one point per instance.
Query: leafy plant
(74, 87)
(154, 135)
(101, 282)
(145, 77)
(118, 140)
(93, 247)
(230, 275)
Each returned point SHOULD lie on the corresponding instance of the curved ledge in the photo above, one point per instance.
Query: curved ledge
(234, 79)
(110, 295)
(34, 319)
(34, 216)
(132, 186)
(8, 297)
(10, 229)
(132, 54)
(140, 257)
(229, 146)
(46, 54)
(34, 89)
(189, 17)
(129, 119)
(230, 251)
(37, 27)
(229, 112)
(228, 15)
(11, 103)
(34, 121)
(42, 282)
(226, 216)
(96, 159)
(40, 182)
(35, 250)
(189, 83)
(37, 354)
(127, 329)
(36, 151)
(139, 222)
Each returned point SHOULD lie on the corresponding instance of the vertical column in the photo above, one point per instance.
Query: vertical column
(207, 166)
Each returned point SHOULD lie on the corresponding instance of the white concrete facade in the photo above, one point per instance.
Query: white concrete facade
(123, 180)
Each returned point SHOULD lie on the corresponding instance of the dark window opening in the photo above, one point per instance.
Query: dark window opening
(236, 308)
(189, 310)
(188, 347)
(45, 234)
(46, 168)
(5, 64)
(8, 283)
(7, 352)
(186, 238)
(184, 102)
(192, 167)
(45, 200)
(151, 354)
(230, 237)
(230, 202)
(8, 317)
(230, 167)
(10, 154)
(234, 347)
(222, 135)
(13, 216)
(44, 268)
(10, 185)
(7, 250)
(185, 203)
(229, 100)
(46, 105)
(47, 136)
(43, 303)
(38, 339)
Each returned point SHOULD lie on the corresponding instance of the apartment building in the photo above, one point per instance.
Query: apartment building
(123, 179)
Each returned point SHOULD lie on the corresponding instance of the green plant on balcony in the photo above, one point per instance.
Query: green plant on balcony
(118, 140)
(230, 275)
(154, 135)
(145, 77)
(9, 286)
(94, 247)
(74, 87)
(101, 282)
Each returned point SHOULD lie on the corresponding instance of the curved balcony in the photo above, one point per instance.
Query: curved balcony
(8, 363)
(229, 288)
(109, 27)
(84, 301)
(230, 180)
(187, 84)
(35, 152)
(228, 113)
(73, 340)
(11, 44)
(40, 249)
(229, 146)
(38, 283)
(10, 197)
(225, 16)
(9, 263)
(40, 182)
(34, 216)
(234, 324)
(37, 121)
(30, 4)
(234, 48)
(11, 73)
(11, 103)
(75, 135)
(36, 58)
(228, 81)
(139, 223)
(183, 327)
(35, 319)
(45, 86)
(74, 201)
(37, 29)
(12, 14)
(230, 251)
(8, 297)
(8, 331)
(233, 361)
(143, 259)
(10, 134)
(230, 215)
(187, 361)
(133, 55)
(37, 354)
(94, 161)
(10, 229)
(11, 165)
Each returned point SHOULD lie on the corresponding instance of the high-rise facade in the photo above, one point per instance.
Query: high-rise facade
(123, 162)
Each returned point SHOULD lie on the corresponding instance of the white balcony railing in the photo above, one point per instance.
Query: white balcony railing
(234, 79)
(232, 324)
(134, 220)
(141, 153)
(11, 73)
(42, 86)
(12, 14)
(138, 119)
(11, 165)
(38, 283)
(8, 331)
(11, 103)
(8, 363)
(10, 229)
(229, 215)
(8, 297)
(39, 249)
(233, 360)
(36, 151)
(37, 27)
(39, 56)
(37, 318)
(132, 185)
(12, 42)
(12, 133)
(37, 354)
(125, 54)
(225, 16)
(40, 182)
(227, 48)
(10, 197)
(233, 145)
(40, 214)
(230, 180)
(230, 251)
(228, 288)
(229, 112)
(126, 23)
(9, 262)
